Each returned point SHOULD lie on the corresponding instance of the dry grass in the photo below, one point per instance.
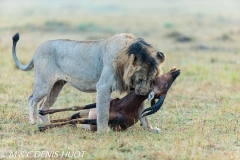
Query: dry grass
(200, 117)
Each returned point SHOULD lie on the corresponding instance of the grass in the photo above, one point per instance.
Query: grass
(200, 116)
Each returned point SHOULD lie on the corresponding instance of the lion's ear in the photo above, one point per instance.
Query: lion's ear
(132, 59)
(160, 56)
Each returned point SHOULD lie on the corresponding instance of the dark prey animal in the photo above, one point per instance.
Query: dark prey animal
(123, 112)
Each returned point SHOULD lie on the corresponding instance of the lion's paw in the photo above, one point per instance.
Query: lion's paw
(155, 130)
(35, 121)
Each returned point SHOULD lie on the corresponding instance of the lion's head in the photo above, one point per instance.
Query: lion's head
(137, 66)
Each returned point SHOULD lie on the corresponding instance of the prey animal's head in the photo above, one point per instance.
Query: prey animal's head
(160, 87)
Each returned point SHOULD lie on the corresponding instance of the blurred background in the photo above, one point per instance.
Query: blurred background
(170, 25)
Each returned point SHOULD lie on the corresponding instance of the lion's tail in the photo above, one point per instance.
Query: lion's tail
(27, 67)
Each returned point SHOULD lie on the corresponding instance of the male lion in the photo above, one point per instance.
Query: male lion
(120, 63)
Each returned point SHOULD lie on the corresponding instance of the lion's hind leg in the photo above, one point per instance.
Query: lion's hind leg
(51, 99)
(40, 90)
(32, 103)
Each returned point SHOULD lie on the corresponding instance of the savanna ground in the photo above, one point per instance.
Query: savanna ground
(201, 114)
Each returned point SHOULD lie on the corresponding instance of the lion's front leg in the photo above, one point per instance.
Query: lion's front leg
(103, 105)
(145, 122)
(104, 89)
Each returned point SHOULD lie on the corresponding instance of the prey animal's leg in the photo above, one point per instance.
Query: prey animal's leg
(74, 108)
(145, 122)
(73, 122)
(82, 114)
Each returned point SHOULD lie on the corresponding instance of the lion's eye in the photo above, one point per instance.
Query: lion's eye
(139, 80)
(144, 78)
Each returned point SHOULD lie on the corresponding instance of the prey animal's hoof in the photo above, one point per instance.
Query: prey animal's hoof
(40, 128)
(41, 112)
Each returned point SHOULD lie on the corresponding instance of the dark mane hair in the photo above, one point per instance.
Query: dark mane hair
(140, 50)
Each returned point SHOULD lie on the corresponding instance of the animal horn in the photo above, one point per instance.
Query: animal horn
(153, 109)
